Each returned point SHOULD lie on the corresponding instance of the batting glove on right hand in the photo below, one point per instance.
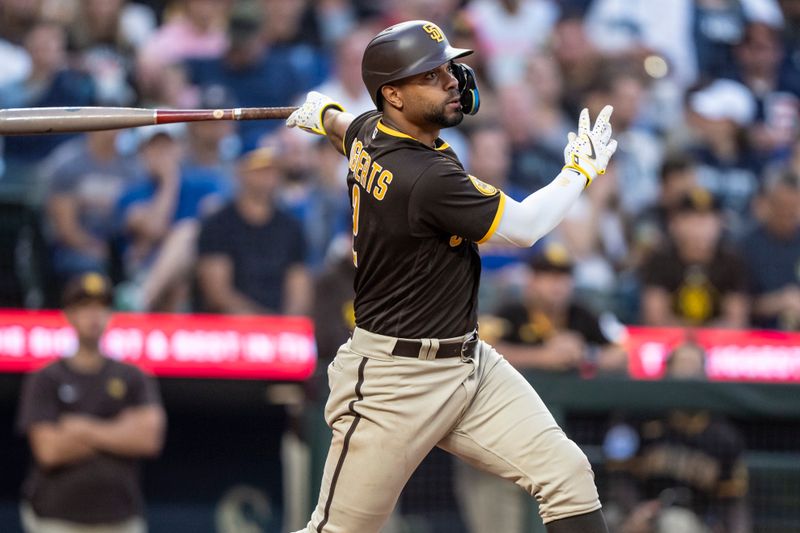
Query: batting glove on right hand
(589, 151)
(309, 115)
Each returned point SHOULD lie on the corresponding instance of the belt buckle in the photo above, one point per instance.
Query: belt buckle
(473, 338)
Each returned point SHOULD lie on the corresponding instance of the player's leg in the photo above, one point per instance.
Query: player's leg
(386, 414)
(508, 431)
(586, 523)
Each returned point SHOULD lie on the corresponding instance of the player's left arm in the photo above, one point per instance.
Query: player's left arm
(135, 432)
(321, 115)
(586, 156)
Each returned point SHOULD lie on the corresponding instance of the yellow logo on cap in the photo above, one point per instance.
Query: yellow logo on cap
(434, 31)
(94, 284)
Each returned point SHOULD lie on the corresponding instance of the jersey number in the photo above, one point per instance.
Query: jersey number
(356, 204)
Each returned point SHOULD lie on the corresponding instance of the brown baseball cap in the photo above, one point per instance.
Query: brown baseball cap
(698, 200)
(87, 287)
(555, 257)
(258, 159)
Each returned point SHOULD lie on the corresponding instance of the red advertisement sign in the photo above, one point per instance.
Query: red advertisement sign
(201, 346)
(731, 355)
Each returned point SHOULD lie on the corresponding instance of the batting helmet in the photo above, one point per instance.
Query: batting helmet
(403, 50)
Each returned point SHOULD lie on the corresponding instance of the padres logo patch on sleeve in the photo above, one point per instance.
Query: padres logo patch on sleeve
(482, 186)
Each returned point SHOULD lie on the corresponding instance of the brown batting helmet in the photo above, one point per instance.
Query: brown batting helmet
(403, 50)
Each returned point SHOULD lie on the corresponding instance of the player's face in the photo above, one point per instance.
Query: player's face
(433, 97)
(553, 289)
(696, 231)
(89, 319)
(260, 182)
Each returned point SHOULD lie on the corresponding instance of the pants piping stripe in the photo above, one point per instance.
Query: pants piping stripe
(345, 445)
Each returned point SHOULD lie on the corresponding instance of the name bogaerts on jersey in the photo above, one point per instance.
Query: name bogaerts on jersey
(372, 177)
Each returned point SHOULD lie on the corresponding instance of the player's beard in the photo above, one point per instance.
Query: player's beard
(439, 115)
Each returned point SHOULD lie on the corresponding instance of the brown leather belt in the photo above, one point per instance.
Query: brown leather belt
(411, 348)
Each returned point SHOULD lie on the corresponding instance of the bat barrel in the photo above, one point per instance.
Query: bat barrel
(31, 121)
(38, 120)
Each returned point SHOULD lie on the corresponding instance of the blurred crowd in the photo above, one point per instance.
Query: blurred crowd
(696, 223)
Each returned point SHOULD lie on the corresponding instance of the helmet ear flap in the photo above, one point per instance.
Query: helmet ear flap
(468, 88)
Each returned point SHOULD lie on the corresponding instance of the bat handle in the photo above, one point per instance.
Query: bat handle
(262, 113)
(167, 116)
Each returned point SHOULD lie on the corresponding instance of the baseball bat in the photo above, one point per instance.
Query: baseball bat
(40, 120)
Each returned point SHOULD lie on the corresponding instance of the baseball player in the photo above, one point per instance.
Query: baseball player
(415, 374)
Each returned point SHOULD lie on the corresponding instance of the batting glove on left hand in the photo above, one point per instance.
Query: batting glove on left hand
(309, 115)
(589, 151)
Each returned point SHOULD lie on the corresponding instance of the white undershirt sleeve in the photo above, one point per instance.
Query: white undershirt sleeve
(523, 223)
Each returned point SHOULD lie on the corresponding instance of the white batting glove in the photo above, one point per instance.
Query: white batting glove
(309, 115)
(589, 151)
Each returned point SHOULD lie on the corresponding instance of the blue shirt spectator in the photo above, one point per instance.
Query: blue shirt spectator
(86, 177)
(773, 254)
(149, 208)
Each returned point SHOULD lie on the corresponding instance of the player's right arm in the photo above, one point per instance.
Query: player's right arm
(586, 156)
(321, 115)
(52, 445)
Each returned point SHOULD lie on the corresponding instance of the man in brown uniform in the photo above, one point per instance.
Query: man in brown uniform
(414, 374)
(89, 420)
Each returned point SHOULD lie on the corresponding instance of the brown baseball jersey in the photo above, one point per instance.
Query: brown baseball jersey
(105, 487)
(417, 219)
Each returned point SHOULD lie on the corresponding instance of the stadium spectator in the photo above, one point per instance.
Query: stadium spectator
(86, 177)
(196, 30)
(438, 11)
(594, 232)
(105, 35)
(549, 330)
(345, 85)
(509, 32)
(677, 178)
(596, 229)
(622, 84)
(335, 19)
(773, 254)
(718, 115)
(285, 23)
(248, 70)
(791, 33)
(90, 420)
(234, 273)
(16, 63)
(317, 196)
(696, 37)
(17, 17)
(683, 471)
(759, 58)
(50, 83)
(696, 279)
(159, 219)
(212, 146)
(578, 59)
(536, 123)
